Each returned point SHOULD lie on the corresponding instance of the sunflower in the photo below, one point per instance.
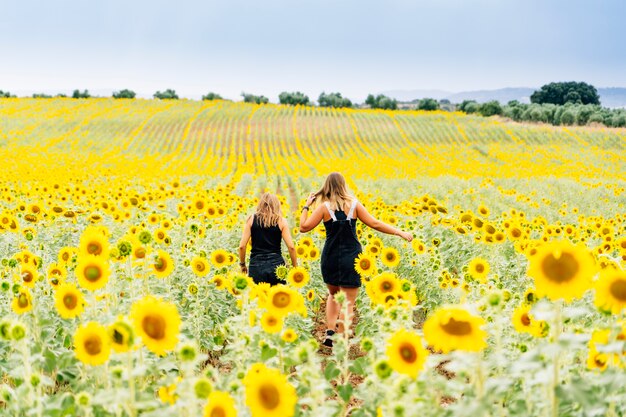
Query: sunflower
(91, 344)
(69, 301)
(121, 335)
(289, 335)
(220, 404)
(157, 323)
(479, 269)
(28, 275)
(454, 328)
(418, 246)
(406, 353)
(600, 360)
(562, 270)
(56, 274)
(94, 242)
(22, 302)
(167, 394)
(306, 241)
(160, 235)
(365, 264)
(298, 277)
(390, 257)
(219, 258)
(314, 254)
(282, 300)
(221, 282)
(372, 250)
(200, 266)
(302, 251)
(269, 394)
(163, 265)
(271, 322)
(611, 290)
(92, 272)
(310, 295)
(524, 322)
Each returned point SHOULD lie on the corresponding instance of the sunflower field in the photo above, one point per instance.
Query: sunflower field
(121, 293)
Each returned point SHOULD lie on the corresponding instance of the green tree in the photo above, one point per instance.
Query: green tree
(568, 117)
(490, 108)
(41, 95)
(293, 98)
(211, 96)
(79, 94)
(125, 93)
(429, 104)
(5, 94)
(168, 94)
(566, 92)
(381, 102)
(251, 98)
(468, 106)
(333, 100)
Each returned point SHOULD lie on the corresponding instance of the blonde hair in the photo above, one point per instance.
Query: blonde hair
(335, 192)
(268, 210)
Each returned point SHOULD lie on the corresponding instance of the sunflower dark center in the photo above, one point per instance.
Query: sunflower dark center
(154, 326)
(70, 301)
(618, 289)
(92, 273)
(408, 353)
(298, 277)
(22, 301)
(94, 248)
(160, 264)
(281, 299)
(560, 269)
(480, 268)
(269, 397)
(525, 319)
(220, 259)
(218, 411)
(93, 345)
(27, 276)
(457, 327)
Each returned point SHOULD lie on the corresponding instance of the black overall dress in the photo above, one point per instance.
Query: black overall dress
(265, 255)
(342, 247)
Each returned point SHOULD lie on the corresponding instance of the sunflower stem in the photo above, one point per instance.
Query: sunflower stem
(555, 374)
(131, 385)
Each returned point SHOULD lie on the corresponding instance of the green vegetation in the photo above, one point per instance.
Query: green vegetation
(79, 94)
(211, 96)
(566, 92)
(333, 100)
(168, 94)
(125, 93)
(293, 98)
(251, 98)
(381, 102)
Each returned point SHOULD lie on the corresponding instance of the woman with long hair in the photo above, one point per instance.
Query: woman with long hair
(340, 211)
(266, 227)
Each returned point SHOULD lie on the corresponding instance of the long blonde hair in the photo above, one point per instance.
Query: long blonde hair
(268, 210)
(335, 192)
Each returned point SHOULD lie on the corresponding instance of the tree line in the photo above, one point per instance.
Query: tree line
(558, 103)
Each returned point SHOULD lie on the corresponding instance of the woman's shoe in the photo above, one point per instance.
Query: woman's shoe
(328, 341)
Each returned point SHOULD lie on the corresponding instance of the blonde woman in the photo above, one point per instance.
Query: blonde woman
(340, 211)
(266, 227)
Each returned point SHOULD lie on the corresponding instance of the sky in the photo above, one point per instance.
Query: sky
(355, 47)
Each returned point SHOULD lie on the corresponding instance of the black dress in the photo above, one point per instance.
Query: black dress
(265, 255)
(342, 247)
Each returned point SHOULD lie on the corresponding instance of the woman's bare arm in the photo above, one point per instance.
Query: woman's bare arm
(309, 223)
(363, 215)
(245, 237)
(286, 233)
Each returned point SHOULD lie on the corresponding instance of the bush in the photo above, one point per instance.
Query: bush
(41, 95)
(124, 94)
(212, 96)
(429, 104)
(490, 108)
(79, 94)
(251, 98)
(568, 117)
(5, 94)
(296, 98)
(566, 92)
(333, 100)
(381, 102)
(468, 103)
(596, 117)
(168, 94)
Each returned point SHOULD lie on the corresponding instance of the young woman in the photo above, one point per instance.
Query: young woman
(340, 210)
(266, 227)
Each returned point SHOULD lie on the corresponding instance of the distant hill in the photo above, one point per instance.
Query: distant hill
(609, 97)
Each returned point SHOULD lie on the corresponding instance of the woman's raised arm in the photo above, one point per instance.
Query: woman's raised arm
(363, 215)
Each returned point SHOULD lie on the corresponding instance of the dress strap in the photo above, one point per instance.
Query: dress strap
(332, 213)
(352, 208)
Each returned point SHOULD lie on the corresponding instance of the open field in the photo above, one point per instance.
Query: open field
(119, 221)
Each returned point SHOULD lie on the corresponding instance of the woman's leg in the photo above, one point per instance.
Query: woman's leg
(332, 308)
(351, 294)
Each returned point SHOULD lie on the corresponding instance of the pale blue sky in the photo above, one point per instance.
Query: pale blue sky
(265, 47)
